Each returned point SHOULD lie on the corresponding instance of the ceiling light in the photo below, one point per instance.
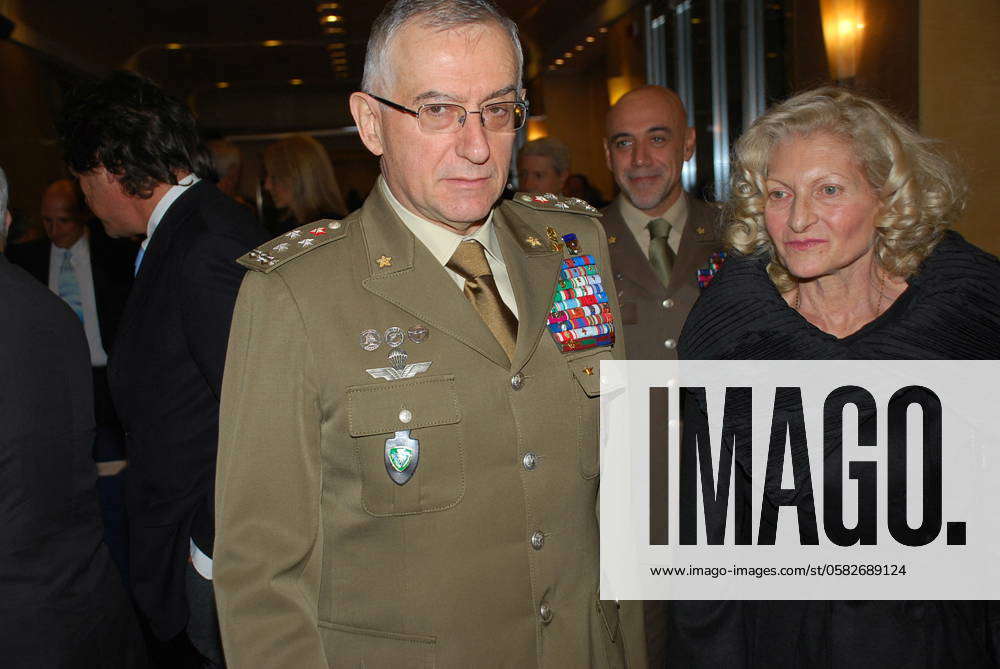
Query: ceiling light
(222, 84)
(271, 42)
(591, 39)
(295, 82)
(173, 46)
(327, 6)
(579, 47)
(340, 61)
(568, 54)
(331, 18)
(602, 30)
(338, 54)
(334, 30)
(335, 45)
(559, 61)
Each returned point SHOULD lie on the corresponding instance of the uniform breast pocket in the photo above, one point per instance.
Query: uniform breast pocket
(587, 370)
(408, 441)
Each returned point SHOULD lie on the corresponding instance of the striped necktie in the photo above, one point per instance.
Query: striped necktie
(69, 287)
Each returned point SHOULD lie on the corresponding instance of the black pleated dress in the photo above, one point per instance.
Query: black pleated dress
(950, 310)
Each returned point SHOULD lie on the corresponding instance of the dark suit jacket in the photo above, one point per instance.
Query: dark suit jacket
(61, 600)
(165, 375)
(111, 262)
(652, 313)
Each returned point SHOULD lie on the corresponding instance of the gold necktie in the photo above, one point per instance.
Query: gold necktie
(469, 262)
(661, 256)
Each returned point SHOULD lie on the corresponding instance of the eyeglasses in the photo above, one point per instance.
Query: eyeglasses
(446, 118)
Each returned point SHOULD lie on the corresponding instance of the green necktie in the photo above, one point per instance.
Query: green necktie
(661, 256)
(469, 262)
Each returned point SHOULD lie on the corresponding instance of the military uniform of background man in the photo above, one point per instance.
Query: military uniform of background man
(404, 481)
(646, 144)
(660, 237)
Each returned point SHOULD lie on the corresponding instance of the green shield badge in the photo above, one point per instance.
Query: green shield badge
(402, 454)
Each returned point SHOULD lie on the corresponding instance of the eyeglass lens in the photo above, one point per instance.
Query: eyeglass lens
(496, 117)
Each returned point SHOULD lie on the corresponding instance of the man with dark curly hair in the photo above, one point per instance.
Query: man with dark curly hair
(141, 166)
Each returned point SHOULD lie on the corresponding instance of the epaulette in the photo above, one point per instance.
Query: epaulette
(292, 244)
(551, 202)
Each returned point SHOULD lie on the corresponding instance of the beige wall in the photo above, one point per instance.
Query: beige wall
(960, 101)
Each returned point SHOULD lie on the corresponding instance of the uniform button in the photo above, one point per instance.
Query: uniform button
(405, 416)
(619, 276)
(668, 303)
(545, 612)
(335, 225)
(529, 461)
(537, 540)
(517, 381)
(670, 343)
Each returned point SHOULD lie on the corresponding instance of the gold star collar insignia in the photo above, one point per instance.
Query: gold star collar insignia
(534, 241)
(612, 240)
(384, 261)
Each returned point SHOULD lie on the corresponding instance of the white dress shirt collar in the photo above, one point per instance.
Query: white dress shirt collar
(163, 205)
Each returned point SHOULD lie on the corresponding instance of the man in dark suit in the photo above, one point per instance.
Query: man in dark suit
(659, 235)
(137, 155)
(92, 274)
(61, 602)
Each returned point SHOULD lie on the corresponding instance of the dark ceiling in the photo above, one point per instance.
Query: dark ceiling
(262, 65)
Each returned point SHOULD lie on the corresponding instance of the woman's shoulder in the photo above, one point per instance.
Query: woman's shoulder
(740, 304)
(957, 269)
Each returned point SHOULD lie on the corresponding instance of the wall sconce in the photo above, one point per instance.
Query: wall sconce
(843, 33)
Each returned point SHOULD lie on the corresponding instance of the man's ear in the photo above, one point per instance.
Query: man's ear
(368, 121)
(607, 155)
(689, 143)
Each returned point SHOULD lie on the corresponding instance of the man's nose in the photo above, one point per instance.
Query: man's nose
(472, 143)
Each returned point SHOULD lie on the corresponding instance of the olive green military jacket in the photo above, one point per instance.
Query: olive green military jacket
(488, 555)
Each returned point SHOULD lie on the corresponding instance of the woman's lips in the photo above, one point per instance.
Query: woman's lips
(804, 244)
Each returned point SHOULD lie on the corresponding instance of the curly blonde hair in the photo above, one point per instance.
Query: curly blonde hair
(921, 192)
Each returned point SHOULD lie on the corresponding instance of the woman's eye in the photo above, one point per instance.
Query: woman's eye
(830, 190)
(777, 195)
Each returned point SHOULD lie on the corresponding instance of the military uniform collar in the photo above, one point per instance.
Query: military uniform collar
(636, 219)
(440, 241)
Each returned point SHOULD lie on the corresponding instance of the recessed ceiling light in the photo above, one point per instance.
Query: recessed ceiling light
(559, 61)
(335, 45)
(602, 30)
(334, 30)
(271, 42)
(295, 82)
(579, 47)
(327, 6)
(590, 39)
(173, 46)
(222, 84)
(331, 18)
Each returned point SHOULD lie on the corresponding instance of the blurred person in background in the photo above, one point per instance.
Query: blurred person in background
(62, 603)
(92, 273)
(301, 182)
(840, 216)
(578, 185)
(543, 165)
(228, 167)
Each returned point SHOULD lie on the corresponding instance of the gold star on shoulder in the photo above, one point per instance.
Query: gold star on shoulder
(534, 241)
(700, 231)
(384, 261)
(612, 240)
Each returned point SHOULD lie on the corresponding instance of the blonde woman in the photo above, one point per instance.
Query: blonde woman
(840, 215)
(301, 181)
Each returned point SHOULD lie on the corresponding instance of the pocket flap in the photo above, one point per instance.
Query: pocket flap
(380, 408)
(587, 370)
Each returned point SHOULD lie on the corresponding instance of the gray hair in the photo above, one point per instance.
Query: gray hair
(437, 14)
(4, 197)
(548, 147)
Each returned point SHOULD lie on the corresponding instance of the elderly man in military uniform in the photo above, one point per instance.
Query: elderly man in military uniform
(408, 466)
(664, 243)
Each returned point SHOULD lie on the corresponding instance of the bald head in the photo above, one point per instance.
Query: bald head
(64, 214)
(646, 143)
